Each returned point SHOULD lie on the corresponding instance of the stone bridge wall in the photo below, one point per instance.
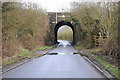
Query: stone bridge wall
(54, 18)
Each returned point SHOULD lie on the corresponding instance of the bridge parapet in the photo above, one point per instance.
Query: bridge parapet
(58, 16)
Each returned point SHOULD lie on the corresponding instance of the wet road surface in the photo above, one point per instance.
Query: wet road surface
(63, 65)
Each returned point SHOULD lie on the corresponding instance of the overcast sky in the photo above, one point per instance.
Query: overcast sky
(57, 5)
(53, 5)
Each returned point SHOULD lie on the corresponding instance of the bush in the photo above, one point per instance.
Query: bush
(24, 27)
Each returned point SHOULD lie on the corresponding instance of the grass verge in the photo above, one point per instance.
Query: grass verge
(95, 54)
(111, 68)
(24, 54)
(42, 48)
(79, 47)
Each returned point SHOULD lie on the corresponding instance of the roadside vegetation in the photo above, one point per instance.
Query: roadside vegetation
(106, 62)
(103, 60)
(24, 54)
(42, 48)
(99, 25)
(24, 28)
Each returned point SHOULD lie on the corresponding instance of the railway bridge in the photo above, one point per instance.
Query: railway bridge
(56, 20)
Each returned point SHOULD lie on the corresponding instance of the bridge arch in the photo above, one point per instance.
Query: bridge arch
(61, 23)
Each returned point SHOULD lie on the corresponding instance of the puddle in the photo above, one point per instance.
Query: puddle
(60, 53)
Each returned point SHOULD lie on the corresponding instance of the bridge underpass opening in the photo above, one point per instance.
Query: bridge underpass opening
(60, 25)
(65, 33)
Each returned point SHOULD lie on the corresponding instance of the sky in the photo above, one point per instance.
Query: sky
(57, 5)
(53, 5)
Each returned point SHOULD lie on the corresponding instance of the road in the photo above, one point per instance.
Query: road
(64, 65)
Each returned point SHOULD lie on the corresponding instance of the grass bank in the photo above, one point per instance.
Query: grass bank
(104, 61)
(24, 54)
(109, 67)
